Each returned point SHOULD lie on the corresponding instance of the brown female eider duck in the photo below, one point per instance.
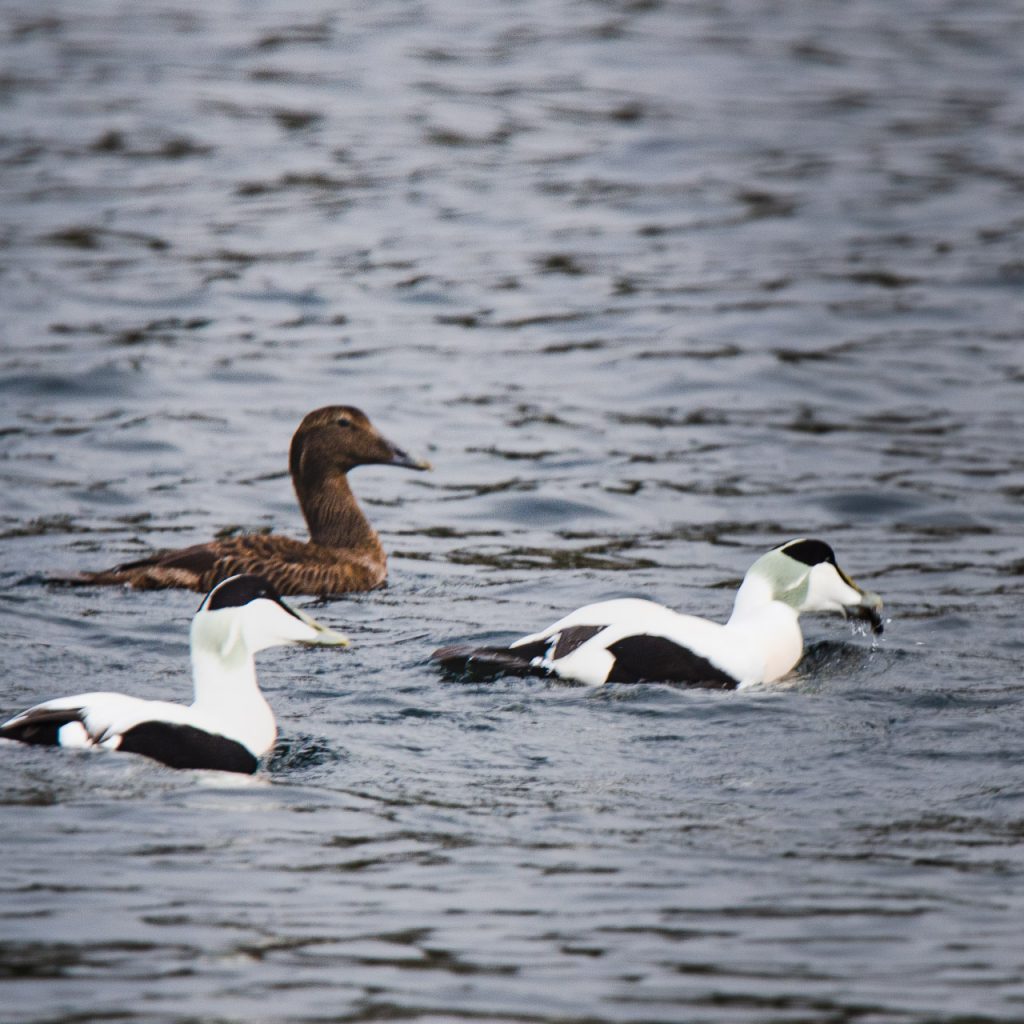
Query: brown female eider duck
(343, 553)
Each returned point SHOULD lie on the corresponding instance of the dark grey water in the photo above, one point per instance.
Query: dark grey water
(656, 285)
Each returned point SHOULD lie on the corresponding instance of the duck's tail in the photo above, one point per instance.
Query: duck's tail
(187, 568)
(475, 663)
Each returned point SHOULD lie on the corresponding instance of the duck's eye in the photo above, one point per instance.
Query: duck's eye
(344, 421)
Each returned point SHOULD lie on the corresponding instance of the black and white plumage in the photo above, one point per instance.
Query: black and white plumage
(633, 640)
(229, 725)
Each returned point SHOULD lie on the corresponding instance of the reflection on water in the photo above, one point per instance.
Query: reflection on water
(658, 285)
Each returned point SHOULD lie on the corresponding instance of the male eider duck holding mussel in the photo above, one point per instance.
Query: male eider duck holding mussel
(229, 725)
(343, 553)
(631, 641)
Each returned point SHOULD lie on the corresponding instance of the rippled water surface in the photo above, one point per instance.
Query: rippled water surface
(656, 285)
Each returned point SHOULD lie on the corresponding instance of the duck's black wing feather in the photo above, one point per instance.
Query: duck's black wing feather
(40, 727)
(490, 662)
(517, 659)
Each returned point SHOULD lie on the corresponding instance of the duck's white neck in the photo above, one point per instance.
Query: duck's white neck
(754, 595)
(228, 696)
(768, 626)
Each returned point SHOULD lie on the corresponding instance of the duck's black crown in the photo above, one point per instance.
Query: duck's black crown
(238, 591)
(810, 552)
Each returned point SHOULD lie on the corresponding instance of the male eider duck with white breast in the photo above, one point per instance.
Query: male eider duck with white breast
(343, 553)
(228, 727)
(631, 640)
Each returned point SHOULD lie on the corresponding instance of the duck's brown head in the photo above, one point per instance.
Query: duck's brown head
(338, 438)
